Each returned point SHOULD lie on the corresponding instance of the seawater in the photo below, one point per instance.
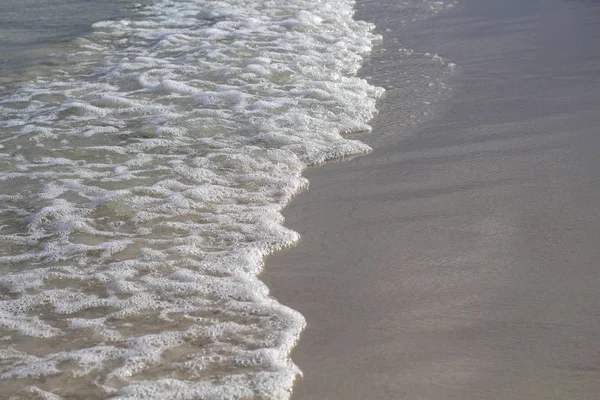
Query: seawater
(142, 176)
(36, 34)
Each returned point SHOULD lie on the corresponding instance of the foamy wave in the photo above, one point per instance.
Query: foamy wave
(142, 188)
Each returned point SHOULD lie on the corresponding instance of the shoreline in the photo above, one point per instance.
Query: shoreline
(458, 261)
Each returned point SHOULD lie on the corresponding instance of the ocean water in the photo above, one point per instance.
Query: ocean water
(36, 35)
(146, 151)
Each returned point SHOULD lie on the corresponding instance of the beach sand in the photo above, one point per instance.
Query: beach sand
(460, 259)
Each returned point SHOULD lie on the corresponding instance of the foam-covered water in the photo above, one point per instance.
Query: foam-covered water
(142, 186)
(142, 183)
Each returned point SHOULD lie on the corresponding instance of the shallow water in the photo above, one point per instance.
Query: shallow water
(142, 176)
(36, 34)
(146, 153)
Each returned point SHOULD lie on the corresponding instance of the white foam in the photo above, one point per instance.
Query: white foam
(151, 176)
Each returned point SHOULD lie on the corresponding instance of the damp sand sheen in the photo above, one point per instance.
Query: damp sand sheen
(144, 164)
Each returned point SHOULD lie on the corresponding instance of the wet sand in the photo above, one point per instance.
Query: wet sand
(461, 259)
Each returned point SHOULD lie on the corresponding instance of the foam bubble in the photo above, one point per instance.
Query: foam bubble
(143, 186)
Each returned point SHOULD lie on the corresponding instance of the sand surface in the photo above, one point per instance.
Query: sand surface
(461, 259)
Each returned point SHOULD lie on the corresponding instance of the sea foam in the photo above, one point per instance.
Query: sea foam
(142, 185)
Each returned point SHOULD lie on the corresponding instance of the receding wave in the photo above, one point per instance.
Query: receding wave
(142, 183)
